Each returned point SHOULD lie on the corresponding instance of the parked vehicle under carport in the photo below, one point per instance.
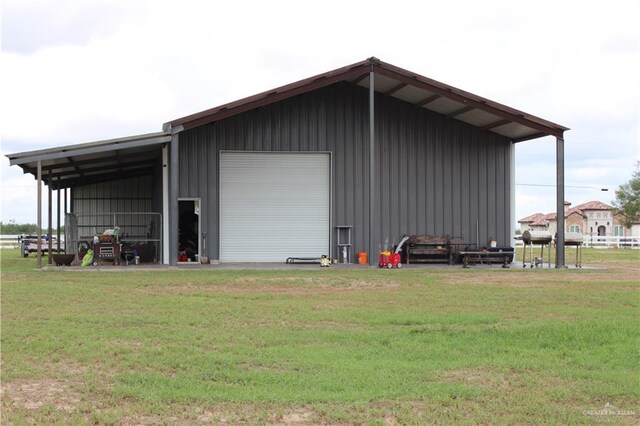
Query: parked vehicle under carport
(29, 244)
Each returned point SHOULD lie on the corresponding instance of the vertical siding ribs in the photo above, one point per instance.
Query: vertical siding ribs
(436, 176)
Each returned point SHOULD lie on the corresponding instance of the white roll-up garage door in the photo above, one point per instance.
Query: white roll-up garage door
(273, 206)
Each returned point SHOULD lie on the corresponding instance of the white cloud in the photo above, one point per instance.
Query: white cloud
(31, 25)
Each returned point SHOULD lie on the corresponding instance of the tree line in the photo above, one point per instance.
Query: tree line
(13, 228)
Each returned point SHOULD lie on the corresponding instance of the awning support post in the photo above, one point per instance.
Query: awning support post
(66, 211)
(173, 200)
(165, 204)
(560, 201)
(372, 171)
(58, 214)
(512, 194)
(50, 218)
(39, 252)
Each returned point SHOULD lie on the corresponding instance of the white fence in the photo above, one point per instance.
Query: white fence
(595, 241)
(9, 241)
(15, 241)
(611, 242)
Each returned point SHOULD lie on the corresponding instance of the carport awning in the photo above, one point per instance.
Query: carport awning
(402, 84)
(95, 162)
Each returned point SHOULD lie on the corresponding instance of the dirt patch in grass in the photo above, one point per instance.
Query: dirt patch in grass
(543, 279)
(259, 368)
(316, 288)
(515, 280)
(139, 421)
(275, 286)
(33, 394)
(239, 414)
(135, 346)
(483, 378)
(295, 417)
(311, 283)
(390, 420)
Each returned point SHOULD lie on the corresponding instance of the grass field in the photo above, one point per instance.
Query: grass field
(336, 346)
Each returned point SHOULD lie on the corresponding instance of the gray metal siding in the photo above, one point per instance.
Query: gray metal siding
(330, 120)
(93, 205)
(119, 196)
(156, 182)
(435, 175)
(439, 176)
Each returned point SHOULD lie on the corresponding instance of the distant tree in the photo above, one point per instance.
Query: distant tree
(13, 228)
(627, 200)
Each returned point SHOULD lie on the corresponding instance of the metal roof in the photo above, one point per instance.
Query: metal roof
(100, 161)
(94, 162)
(402, 84)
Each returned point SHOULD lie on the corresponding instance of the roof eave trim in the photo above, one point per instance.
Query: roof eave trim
(271, 96)
(88, 148)
(539, 124)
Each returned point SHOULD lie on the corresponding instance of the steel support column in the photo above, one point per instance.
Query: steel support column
(372, 170)
(173, 200)
(58, 214)
(560, 201)
(165, 204)
(66, 211)
(39, 252)
(50, 219)
(512, 194)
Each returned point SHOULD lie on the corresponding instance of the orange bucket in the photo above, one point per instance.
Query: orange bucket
(363, 258)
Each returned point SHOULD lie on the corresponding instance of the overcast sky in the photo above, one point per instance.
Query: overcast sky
(75, 71)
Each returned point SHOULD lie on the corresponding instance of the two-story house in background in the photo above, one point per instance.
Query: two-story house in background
(591, 218)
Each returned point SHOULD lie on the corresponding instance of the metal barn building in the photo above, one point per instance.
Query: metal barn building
(370, 150)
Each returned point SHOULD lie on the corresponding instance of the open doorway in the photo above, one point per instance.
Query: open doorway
(189, 230)
(602, 231)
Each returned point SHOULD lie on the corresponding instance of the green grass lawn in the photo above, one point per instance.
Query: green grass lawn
(329, 346)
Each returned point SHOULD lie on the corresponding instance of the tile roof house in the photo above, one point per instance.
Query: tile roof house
(590, 218)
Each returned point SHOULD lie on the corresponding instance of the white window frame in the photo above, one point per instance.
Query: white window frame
(618, 230)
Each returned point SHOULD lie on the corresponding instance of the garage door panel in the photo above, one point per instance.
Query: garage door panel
(273, 206)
